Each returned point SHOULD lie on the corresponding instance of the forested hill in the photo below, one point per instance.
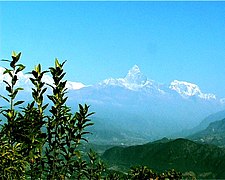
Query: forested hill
(206, 161)
(213, 134)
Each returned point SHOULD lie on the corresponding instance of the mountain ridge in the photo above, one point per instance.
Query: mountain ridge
(206, 161)
(213, 134)
(135, 80)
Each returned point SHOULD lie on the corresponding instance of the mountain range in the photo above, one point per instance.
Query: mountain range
(137, 81)
(135, 109)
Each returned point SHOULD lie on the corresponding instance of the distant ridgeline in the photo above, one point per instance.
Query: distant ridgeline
(213, 134)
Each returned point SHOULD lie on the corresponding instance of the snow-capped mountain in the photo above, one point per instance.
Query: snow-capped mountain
(135, 80)
(186, 89)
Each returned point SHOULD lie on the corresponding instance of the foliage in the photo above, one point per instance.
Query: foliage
(64, 129)
(144, 173)
(12, 163)
(141, 172)
(34, 145)
(171, 174)
(95, 167)
(26, 149)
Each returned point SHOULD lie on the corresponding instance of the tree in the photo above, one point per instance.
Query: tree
(25, 147)
(12, 162)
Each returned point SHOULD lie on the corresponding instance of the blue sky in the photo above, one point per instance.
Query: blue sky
(167, 40)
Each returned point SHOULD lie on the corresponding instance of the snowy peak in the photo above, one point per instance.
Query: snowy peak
(74, 85)
(134, 70)
(187, 89)
(134, 80)
(135, 76)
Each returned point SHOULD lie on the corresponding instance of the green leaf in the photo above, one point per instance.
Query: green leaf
(14, 79)
(43, 91)
(89, 124)
(45, 106)
(63, 63)
(12, 64)
(6, 82)
(4, 98)
(38, 68)
(18, 56)
(18, 103)
(8, 71)
(52, 98)
(90, 114)
(13, 95)
(14, 54)
(35, 73)
(9, 89)
(19, 89)
(57, 64)
(81, 107)
(20, 68)
(5, 60)
(77, 153)
(15, 58)
(10, 114)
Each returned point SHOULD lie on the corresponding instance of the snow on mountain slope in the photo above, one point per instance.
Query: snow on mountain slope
(135, 76)
(134, 80)
(137, 81)
(186, 89)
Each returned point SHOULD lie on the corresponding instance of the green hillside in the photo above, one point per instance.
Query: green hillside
(213, 134)
(206, 161)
